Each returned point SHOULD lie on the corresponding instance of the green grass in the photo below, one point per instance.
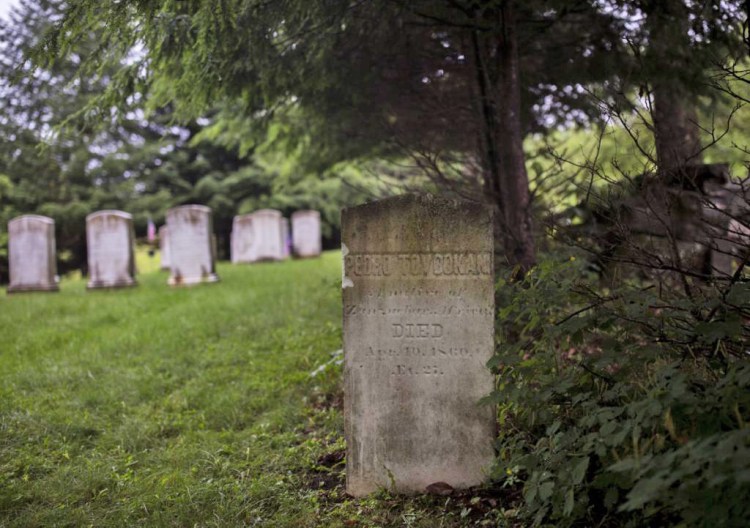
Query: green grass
(155, 406)
(146, 263)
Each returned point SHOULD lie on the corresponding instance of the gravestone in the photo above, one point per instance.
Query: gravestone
(191, 251)
(306, 233)
(164, 247)
(109, 239)
(418, 297)
(31, 254)
(241, 241)
(267, 235)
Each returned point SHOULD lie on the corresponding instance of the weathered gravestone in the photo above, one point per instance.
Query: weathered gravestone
(268, 241)
(109, 238)
(418, 298)
(241, 241)
(164, 247)
(306, 233)
(31, 254)
(191, 252)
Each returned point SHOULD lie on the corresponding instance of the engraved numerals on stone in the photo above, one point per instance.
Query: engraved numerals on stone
(418, 370)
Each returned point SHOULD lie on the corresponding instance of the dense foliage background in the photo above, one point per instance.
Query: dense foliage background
(61, 158)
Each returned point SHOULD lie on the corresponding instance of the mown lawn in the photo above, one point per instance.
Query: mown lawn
(155, 406)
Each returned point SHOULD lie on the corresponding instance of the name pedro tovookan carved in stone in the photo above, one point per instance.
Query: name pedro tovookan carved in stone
(418, 295)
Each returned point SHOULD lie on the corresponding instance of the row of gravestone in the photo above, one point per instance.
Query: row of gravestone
(418, 332)
(187, 244)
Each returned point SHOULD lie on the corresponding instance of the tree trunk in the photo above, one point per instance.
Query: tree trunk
(514, 181)
(675, 127)
(506, 182)
(488, 137)
(488, 147)
(676, 131)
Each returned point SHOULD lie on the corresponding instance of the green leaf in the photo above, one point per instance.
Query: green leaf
(711, 331)
(579, 470)
(545, 490)
(569, 502)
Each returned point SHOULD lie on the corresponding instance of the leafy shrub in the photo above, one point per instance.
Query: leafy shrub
(624, 407)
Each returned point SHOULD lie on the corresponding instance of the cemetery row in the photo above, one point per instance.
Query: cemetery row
(418, 322)
(188, 246)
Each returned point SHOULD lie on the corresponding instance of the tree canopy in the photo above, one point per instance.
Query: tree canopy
(143, 105)
(65, 154)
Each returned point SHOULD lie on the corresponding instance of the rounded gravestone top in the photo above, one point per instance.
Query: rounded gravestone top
(305, 212)
(189, 213)
(191, 207)
(109, 212)
(34, 217)
(268, 212)
(242, 220)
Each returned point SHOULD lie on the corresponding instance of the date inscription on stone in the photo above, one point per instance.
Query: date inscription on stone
(418, 304)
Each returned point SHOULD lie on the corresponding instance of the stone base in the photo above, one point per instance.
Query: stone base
(28, 288)
(191, 281)
(102, 285)
(260, 260)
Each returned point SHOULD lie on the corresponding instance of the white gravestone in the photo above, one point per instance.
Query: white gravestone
(191, 253)
(418, 295)
(164, 247)
(109, 238)
(306, 233)
(31, 254)
(242, 239)
(267, 235)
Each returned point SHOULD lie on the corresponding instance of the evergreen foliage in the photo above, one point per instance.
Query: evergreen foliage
(64, 155)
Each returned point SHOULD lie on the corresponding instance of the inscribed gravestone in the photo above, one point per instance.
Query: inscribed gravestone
(191, 250)
(164, 247)
(242, 239)
(267, 235)
(306, 233)
(418, 298)
(31, 254)
(109, 237)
